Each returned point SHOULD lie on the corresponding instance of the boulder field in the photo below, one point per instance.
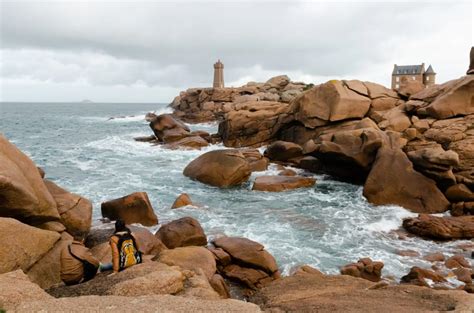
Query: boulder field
(413, 147)
(182, 271)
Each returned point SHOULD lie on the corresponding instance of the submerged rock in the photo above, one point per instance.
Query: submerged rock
(182, 200)
(133, 208)
(281, 183)
(364, 268)
(220, 168)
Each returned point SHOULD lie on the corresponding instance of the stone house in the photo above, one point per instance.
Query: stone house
(412, 72)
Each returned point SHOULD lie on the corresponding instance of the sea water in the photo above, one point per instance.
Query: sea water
(89, 149)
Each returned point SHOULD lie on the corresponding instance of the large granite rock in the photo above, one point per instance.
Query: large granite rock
(191, 258)
(23, 195)
(248, 253)
(168, 129)
(183, 232)
(75, 211)
(331, 101)
(133, 208)
(220, 168)
(392, 180)
(17, 289)
(313, 292)
(441, 228)
(283, 151)
(23, 245)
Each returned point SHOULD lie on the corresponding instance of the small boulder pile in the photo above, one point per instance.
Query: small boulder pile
(209, 104)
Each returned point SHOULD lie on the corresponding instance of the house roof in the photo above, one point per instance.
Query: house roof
(407, 69)
(430, 70)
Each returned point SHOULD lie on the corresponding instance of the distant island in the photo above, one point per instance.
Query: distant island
(87, 101)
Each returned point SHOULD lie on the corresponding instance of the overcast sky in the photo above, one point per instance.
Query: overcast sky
(148, 51)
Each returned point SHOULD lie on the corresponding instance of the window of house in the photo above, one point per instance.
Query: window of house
(427, 78)
(397, 86)
(414, 78)
(397, 79)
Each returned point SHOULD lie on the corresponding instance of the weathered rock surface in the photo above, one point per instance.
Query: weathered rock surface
(191, 258)
(281, 183)
(17, 288)
(247, 253)
(307, 292)
(221, 168)
(392, 180)
(418, 276)
(441, 228)
(182, 200)
(283, 151)
(23, 195)
(257, 161)
(133, 208)
(364, 268)
(75, 211)
(146, 304)
(168, 129)
(23, 245)
(183, 232)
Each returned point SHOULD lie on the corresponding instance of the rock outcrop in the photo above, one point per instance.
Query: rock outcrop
(133, 208)
(182, 200)
(220, 168)
(183, 232)
(364, 268)
(441, 228)
(314, 292)
(75, 211)
(24, 195)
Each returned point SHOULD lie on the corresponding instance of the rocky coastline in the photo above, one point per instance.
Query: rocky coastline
(413, 148)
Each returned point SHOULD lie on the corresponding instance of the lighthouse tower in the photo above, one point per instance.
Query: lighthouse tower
(218, 75)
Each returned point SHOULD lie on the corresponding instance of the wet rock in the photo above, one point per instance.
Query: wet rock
(283, 151)
(417, 276)
(23, 245)
(191, 142)
(457, 261)
(182, 200)
(75, 211)
(281, 183)
(464, 275)
(220, 168)
(364, 268)
(191, 258)
(133, 208)
(151, 138)
(410, 253)
(257, 161)
(183, 232)
(287, 172)
(247, 253)
(168, 129)
(24, 194)
(441, 228)
(434, 257)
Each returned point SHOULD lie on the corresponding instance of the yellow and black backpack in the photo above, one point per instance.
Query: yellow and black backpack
(128, 253)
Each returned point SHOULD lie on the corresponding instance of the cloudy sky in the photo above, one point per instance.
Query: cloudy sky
(147, 51)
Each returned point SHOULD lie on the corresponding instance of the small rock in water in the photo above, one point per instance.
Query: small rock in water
(182, 200)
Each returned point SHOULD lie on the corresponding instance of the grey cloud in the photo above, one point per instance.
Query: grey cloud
(164, 44)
